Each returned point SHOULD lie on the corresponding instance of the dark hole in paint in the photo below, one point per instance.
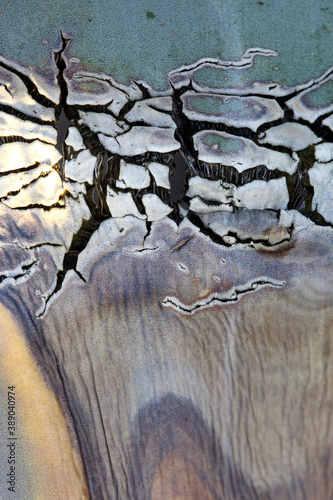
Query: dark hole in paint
(177, 180)
(62, 127)
(105, 166)
(95, 196)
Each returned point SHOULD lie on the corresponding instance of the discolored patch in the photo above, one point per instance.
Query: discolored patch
(53, 468)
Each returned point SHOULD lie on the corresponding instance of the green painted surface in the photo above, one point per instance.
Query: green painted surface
(263, 69)
(213, 105)
(208, 105)
(147, 38)
(224, 144)
(321, 96)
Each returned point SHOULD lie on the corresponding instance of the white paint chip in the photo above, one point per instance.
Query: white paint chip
(291, 135)
(74, 139)
(147, 112)
(155, 208)
(121, 204)
(213, 191)
(240, 153)
(199, 206)
(257, 194)
(324, 152)
(103, 122)
(133, 176)
(81, 168)
(263, 195)
(11, 125)
(321, 178)
(160, 173)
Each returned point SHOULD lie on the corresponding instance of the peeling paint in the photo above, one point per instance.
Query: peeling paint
(251, 153)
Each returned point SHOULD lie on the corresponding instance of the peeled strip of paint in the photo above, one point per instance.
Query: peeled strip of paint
(133, 176)
(255, 225)
(17, 180)
(145, 112)
(45, 191)
(87, 88)
(302, 107)
(140, 140)
(14, 93)
(257, 194)
(240, 153)
(263, 195)
(17, 155)
(214, 191)
(199, 206)
(324, 152)
(233, 111)
(163, 103)
(294, 136)
(104, 95)
(11, 125)
(74, 139)
(187, 74)
(102, 122)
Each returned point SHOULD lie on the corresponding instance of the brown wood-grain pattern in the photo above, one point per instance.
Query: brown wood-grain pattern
(232, 402)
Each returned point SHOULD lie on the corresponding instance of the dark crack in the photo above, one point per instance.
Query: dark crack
(19, 272)
(17, 138)
(24, 186)
(23, 116)
(62, 120)
(79, 242)
(230, 175)
(219, 299)
(30, 86)
(225, 239)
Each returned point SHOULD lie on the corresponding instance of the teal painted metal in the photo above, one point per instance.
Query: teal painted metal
(146, 39)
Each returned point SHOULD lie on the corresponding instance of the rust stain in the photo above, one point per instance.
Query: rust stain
(181, 243)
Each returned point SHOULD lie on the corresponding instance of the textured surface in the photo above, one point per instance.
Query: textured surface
(145, 39)
(188, 342)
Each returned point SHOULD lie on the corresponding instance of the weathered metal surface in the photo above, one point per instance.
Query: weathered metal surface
(187, 343)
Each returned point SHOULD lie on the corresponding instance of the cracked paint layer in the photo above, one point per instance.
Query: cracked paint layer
(252, 153)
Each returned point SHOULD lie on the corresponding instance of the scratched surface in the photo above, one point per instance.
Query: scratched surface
(181, 346)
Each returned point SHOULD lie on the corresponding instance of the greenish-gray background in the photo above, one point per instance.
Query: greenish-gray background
(147, 38)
